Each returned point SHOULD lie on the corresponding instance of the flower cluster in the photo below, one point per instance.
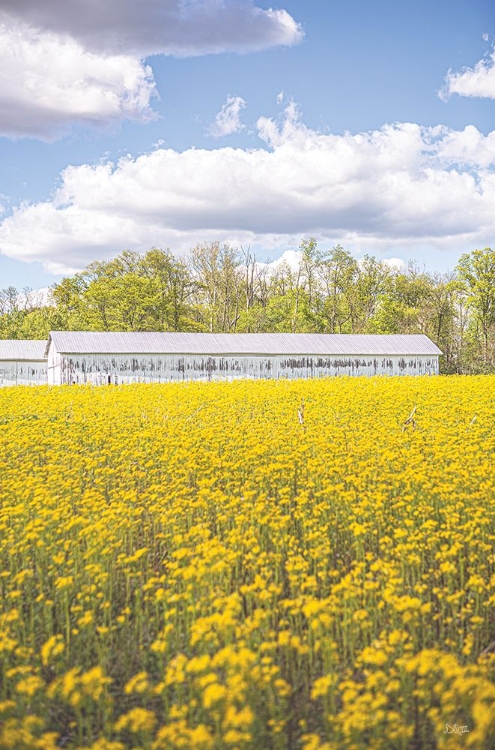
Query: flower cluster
(194, 566)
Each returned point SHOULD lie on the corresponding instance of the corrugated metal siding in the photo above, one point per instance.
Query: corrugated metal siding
(13, 349)
(122, 368)
(23, 373)
(308, 344)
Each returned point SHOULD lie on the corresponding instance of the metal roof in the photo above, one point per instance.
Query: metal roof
(16, 349)
(79, 342)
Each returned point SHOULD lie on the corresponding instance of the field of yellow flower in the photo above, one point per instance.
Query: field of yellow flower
(249, 565)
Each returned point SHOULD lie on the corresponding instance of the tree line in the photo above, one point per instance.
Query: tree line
(220, 288)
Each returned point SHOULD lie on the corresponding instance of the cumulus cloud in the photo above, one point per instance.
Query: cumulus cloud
(172, 27)
(403, 185)
(4, 200)
(81, 62)
(465, 147)
(291, 258)
(478, 81)
(228, 120)
(397, 264)
(48, 83)
(34, 298)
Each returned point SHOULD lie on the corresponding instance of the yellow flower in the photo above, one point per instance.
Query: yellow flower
(52, 648)
(193, 541)
(93, 682)
(30, 685)
(375, 656)
(138, 684)
(213, 694)
(136, 720)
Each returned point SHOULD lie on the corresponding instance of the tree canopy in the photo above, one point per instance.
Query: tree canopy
(220, 288)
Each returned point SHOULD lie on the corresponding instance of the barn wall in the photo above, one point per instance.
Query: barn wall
(23, 373)
(54, 373)
(124, 368)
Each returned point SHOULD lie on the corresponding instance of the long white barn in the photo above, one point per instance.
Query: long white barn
(115, 358)
(22, 362)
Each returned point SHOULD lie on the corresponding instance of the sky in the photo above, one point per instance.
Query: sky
(168, 123)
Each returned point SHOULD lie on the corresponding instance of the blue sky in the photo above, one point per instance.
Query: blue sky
(172, 122)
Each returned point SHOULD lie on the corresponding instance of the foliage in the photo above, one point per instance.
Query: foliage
(219, 288)
(476, 273)
(129, 293)
(248, 565)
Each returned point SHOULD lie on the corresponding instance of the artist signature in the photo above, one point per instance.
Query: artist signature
(455, 729)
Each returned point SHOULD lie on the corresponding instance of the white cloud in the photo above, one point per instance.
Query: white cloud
(35, 298)
(228, 120)
(80, 63)
(478, 81)
(4, 200)
(48, 83)
(467, 147)
(401, 186)
(172, 27)
(397, 264)
(292, 258)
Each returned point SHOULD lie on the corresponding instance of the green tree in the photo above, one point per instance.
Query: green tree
(338, 273)
(218, 276)
(403, 307)
(476, 273)
(132, 292)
